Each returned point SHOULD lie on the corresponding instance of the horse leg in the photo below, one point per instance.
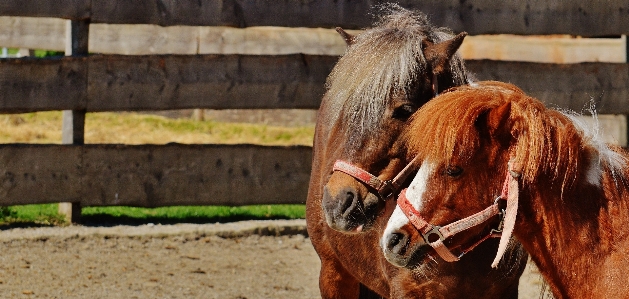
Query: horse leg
(336, 283)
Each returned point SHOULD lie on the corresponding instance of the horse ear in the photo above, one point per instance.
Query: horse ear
(349, 39)
(497, 119)
(438, 55)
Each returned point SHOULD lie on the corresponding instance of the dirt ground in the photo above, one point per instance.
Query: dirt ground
(250, 259)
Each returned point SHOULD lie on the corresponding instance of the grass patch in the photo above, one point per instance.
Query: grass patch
(189, 214)
(134, 128)
(31, 215)
(47, 215)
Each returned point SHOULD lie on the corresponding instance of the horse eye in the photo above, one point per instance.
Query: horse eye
(454, 171)
(403, 112)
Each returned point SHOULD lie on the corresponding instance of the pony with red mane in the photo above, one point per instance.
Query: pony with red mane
(386, 74)
(565, 191)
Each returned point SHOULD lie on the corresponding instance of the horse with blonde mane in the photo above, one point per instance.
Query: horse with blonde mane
(386, 74)
(505, 164)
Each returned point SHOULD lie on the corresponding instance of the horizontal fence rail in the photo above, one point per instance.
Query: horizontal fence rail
(50, 34)
(586, 18)
(133, 83)
(154, 175)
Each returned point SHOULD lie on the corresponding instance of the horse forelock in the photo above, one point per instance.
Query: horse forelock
(383, 61)
(548, 143)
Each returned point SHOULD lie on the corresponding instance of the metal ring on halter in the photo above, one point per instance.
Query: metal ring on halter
(433, 231)
(387, 190)
(501, 214)
(501, 224)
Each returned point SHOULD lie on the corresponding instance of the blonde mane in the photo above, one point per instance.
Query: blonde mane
(547, 143)
(381, 62)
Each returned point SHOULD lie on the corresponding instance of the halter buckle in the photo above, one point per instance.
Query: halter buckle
(501, 214)
(434, 230)
(387, 190)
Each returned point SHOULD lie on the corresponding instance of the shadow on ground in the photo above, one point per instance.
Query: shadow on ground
(109, 220)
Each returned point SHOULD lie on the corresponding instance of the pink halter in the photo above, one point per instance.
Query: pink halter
(435, 235)
(385, 189)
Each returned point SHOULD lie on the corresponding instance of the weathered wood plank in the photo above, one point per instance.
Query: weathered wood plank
(32, 33)
(30, 84)
(547, 49)
(208, 81)
(588, 18)
(569, 86)
(154, 175)
(48, 33)
(65, 9)
(599, 17)
(124, 83)
(271, 41)
(144, 39)
(168, 13)
(39, 174)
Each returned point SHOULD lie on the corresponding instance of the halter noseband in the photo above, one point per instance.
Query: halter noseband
(435, 235)
(386, 189)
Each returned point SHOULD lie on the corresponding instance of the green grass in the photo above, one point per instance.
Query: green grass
(28, 215)
(46, 214)
(38, 53)
(191, 214)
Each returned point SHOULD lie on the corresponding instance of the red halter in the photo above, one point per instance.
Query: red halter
(435, 235)
(385, 189)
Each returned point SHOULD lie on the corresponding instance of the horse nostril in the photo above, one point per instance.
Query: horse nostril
(349, 196)
(394, 240)
(348, 202)
(397, 243)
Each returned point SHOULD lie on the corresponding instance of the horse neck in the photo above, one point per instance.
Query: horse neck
(575, 238)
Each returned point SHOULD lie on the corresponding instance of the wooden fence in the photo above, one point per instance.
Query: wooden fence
(175, 174)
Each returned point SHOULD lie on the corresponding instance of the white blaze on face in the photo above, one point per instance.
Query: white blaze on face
(415, 194)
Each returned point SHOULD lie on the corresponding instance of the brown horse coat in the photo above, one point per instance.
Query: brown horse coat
(386, 74)
(573, 199)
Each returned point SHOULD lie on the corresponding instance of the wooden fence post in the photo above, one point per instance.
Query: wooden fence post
(77, 36)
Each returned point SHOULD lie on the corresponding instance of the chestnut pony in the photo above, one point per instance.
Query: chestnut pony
(386, 74)
(566, 192)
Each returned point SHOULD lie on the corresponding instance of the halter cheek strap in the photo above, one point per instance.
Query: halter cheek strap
(510, 192)
(385, 189)
(435, 235)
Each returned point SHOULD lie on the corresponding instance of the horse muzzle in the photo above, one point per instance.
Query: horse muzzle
(404, 249)
(347, 211)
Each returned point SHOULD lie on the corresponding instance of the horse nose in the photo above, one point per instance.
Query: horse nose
(395, 247)
(342, 203)
(397, 243)
(343, 209)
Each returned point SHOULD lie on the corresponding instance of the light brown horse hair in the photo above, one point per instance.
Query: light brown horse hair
(382, 62)
(543, 141)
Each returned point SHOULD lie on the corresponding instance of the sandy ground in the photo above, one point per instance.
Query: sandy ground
(250, 259)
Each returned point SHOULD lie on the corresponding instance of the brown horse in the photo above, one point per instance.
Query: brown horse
(386, 74)
(568, 189)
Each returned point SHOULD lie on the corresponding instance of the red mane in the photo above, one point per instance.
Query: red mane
(544, 142)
